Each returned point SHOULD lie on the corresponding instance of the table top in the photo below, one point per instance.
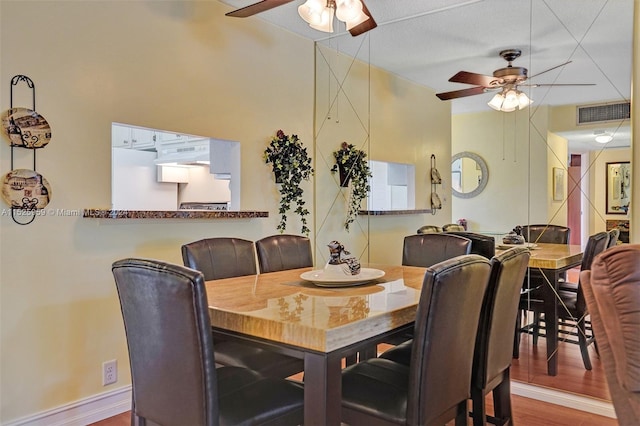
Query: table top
(281, 307)
(555, 256)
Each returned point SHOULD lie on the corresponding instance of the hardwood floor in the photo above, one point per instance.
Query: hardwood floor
(526, 412)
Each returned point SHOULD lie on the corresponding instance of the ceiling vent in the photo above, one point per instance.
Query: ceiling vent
(590, 114)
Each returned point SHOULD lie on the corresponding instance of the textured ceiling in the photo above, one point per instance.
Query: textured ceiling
(429, 41)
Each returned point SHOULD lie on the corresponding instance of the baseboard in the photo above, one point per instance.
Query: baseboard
(111, 403)
(566, 399)
(83, 412)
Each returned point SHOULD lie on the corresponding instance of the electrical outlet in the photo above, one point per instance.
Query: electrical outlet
(109, 372)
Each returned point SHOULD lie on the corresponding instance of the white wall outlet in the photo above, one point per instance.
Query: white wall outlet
(109, 372)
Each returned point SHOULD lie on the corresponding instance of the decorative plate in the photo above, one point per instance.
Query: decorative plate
(502, 246)
(25, 189)
(25, 128)
(320, 278)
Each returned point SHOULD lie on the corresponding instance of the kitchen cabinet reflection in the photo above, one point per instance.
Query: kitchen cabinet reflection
(162, 170)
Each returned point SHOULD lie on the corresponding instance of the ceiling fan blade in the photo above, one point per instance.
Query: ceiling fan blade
(550, 69)
(367, 25)
(473, 78)
(461, 93)
(252, 9)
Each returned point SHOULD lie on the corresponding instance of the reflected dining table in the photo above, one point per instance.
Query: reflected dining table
(321, 325)
(552, 260)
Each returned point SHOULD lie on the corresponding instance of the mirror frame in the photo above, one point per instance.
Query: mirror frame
(483, 168)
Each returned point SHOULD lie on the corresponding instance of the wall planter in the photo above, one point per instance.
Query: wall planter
(290, 164)
(353, 170)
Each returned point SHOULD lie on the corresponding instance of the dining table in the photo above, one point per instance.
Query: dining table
(321, 322)
(552, 260)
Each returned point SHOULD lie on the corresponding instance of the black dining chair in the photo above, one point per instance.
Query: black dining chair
(546, 233)
(484, 245)
(172, 356)
(428, 229)
(572, 309)
(434, 387)
(492, 352)
(222, 257)
(425, 250)
(283, 252)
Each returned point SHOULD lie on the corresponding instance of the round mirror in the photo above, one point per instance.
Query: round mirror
(469, 174)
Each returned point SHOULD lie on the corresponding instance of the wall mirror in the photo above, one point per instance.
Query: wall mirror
(469, 174)
(522, 147)
(154, 169)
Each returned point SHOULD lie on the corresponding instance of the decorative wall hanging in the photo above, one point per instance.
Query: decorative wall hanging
(291, 165)
(436, 179)
(25, 190)
(352, 167)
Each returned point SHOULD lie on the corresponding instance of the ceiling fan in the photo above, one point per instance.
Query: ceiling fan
(507, 79)
(319, 13)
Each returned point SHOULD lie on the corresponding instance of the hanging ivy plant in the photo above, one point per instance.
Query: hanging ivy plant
(291, 165)
(352, 165)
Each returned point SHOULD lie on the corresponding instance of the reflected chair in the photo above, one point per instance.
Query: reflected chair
(484, 245)
(453, 227)
(614, 234)
(427, 229)
(283, 252)
(611, 290)
(552, 234)
(572, 309)
(434, 387)
(219, 258)
(425, 250)
(171, 355)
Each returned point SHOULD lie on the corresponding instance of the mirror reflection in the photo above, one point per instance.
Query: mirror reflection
(154, 169)
(469, 175)
(525, 149)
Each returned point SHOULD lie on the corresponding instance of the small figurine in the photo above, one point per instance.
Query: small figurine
(514, 237)
(339, 256)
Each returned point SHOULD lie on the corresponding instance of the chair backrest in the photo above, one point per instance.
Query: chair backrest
(428, 229)
(553, 234)
(596, 244)
(613, 237)
(444, 338)
(282, 252)
(220, 258)
(484, 245)
(494, 343)
(168, 332)
(611, 288)
(453, 227)
(428, 249)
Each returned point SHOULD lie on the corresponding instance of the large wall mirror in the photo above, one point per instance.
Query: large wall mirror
(356, 101)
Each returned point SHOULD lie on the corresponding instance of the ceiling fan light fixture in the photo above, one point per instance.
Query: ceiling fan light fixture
(523, 100)
(496, 102)
(311, 11)
(325, 23)
(350, 12)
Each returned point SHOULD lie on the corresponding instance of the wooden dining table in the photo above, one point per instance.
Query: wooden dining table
(552, 260)
(321, 325)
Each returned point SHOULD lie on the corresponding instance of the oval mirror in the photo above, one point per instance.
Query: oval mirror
(469, 174)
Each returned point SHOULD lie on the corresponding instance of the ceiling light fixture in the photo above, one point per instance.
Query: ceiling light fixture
(509, 99)
(319, 13)
(602, 136)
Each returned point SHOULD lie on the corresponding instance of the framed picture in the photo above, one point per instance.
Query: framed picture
(558, 184)
(618, 190)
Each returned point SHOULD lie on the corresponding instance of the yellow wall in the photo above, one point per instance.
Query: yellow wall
(170, 65)
(176, 65)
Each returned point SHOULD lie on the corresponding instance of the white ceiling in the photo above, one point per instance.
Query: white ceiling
(428, 41)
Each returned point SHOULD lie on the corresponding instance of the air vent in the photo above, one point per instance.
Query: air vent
(603, 113)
